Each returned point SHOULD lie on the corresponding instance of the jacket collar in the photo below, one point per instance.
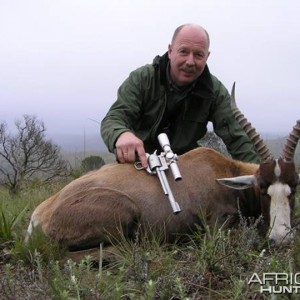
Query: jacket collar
(203, 85)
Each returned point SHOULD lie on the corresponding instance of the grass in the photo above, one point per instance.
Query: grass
(213, 265)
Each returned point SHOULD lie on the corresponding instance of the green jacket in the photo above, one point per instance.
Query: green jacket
(141, 104)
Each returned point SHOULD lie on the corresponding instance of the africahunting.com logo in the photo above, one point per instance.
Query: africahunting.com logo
(276, 283)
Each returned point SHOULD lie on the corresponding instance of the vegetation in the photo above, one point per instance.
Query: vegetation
(27, 154)
(216, 264)
(92, 162)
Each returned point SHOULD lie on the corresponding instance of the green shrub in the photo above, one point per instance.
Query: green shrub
(91, 163)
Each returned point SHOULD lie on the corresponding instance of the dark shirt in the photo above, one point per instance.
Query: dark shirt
(176, 95)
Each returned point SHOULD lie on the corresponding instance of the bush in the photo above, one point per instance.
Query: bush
(91, 163)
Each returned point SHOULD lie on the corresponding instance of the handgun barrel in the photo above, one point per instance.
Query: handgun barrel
(175, 206)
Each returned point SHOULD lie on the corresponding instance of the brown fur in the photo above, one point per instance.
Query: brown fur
(116, 198)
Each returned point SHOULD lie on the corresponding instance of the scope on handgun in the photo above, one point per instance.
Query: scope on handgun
(165, 143)
(170, 156)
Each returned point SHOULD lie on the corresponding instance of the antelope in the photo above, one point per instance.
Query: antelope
(119, 199)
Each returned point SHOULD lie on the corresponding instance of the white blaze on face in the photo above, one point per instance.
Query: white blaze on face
(280, 211)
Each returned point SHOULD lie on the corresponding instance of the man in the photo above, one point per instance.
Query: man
(177, 95)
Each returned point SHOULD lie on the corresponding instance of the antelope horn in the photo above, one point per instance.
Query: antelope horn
(291, 143)
(260, 146)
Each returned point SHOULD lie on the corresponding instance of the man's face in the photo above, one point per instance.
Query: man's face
(188, 55)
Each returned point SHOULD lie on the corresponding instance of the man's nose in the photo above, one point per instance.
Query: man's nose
(190, 60)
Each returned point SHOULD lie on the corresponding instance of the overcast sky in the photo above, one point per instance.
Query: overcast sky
(63, 60)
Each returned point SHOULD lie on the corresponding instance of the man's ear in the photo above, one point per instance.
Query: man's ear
(169, 50)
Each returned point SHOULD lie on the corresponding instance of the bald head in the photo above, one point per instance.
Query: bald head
(193, 28)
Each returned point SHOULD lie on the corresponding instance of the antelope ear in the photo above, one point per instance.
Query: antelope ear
(239, 182)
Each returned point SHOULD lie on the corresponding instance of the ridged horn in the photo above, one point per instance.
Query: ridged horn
(260, 146)
(291, 143)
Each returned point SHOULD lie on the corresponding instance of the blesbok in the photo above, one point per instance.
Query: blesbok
(118, 198)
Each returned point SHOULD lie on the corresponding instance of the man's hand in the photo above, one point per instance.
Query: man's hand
(127, 146)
